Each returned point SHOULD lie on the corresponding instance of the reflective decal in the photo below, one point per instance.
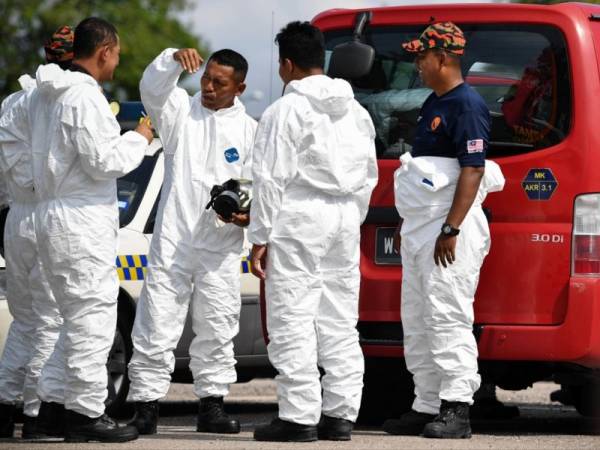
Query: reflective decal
(539, 184)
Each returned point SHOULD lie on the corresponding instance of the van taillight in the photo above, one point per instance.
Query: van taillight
(586, 236)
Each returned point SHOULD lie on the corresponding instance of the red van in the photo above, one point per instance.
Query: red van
(537, 308)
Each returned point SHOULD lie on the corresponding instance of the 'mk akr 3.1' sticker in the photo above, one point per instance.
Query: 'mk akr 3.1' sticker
(539, 184)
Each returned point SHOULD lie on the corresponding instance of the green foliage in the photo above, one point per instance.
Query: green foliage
(145, 28)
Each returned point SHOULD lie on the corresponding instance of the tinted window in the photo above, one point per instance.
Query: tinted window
(522, 72)
(131, 189)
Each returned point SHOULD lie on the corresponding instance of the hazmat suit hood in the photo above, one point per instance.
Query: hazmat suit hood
(27, 83)
(328, 95)
(52, 80)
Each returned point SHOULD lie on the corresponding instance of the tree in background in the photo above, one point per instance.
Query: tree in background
(145, 28)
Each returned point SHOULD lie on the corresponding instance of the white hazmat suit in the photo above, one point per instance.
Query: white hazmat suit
(437, 302)
(78, 152)
(36, 320)
(193, 257)
(314, 169)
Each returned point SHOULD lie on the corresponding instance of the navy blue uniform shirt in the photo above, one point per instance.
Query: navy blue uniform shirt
(454, 125)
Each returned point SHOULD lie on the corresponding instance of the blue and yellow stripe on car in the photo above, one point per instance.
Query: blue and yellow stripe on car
(133, 267)
(245, 264)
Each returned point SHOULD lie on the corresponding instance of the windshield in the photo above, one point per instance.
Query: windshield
(521, 72)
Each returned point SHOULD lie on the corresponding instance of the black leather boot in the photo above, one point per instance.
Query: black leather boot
(488, 407)
(334, 429)
(283, 431)
(213, 419)
(29, 430)
(410, 423)
(81, 428)
(50, 420)
(146, 417)
(451, 423)
(7, 420)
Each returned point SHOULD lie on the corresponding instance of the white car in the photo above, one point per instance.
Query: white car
(139, 193)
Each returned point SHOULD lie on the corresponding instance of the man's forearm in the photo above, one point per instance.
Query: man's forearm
(466, 191)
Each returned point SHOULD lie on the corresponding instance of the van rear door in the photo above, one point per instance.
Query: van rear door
(523, 73)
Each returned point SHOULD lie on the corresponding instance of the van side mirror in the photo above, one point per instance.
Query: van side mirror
(353, 59)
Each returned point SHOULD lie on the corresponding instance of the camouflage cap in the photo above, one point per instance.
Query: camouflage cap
(444, 35)
(60, 46)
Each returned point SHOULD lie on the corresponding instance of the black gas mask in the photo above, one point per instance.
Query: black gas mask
(233, 196)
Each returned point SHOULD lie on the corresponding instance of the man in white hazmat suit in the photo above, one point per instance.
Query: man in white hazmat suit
(194, 258)
(314, 169)
(439, 189)
(36, 319)
(78, 153)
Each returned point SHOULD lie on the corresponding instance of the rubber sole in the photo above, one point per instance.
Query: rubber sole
(466, 435)
(306, 437)
(404, 432)
(39, 437)
(334, 437)
(298, 439)
(210, 429)
(85, 437)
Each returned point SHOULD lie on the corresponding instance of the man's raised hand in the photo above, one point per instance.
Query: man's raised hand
(189, 58)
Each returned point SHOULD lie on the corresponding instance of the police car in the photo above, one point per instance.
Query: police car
(138, 196)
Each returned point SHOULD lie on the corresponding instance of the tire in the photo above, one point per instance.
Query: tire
(586, 399)
(116, 366)
(388, 390)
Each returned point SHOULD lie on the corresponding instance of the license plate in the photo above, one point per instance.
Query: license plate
(384, 248)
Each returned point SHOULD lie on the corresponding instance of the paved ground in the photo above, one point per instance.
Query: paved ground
(542, 425)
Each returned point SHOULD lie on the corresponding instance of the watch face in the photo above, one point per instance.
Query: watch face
(447, 229)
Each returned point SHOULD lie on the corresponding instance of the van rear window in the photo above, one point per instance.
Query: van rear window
(522, 73)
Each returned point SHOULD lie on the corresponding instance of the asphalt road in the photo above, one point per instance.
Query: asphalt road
(542, 425)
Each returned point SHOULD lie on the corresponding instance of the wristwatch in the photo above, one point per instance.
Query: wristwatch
(449, 230)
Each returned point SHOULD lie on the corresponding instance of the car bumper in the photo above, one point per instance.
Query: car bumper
(576, 339)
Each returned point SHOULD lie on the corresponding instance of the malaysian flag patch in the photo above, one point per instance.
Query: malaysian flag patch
(475, 146)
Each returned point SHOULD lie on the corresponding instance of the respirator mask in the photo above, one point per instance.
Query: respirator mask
(233, 196)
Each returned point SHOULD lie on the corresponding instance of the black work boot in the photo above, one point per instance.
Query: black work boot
(213, 419)
(81, 428)
(488, 407)
(334, 429)
(7, 420)
(29, 430)
(283, 431)
(50, 420)
(451, 423)
(410, 423)
(146, 417)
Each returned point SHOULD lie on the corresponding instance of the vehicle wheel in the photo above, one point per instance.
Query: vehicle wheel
(586, 399)
(388, 390)
(116, 366)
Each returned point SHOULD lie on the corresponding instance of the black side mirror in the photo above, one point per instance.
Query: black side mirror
(353, 59)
